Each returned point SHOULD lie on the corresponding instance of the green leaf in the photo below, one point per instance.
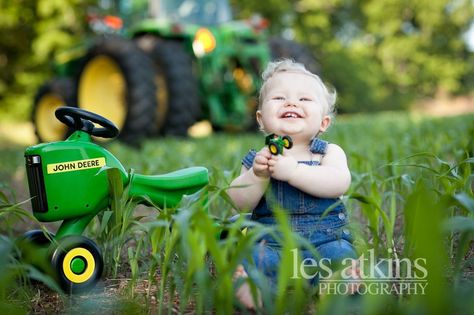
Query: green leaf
(35, 274)
(105, 220)
(466, 201)
(459, 224)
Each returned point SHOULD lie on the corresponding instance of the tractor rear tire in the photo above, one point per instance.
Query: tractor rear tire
(116, 80)
(282, 48)
(51, 95)
(178, 98)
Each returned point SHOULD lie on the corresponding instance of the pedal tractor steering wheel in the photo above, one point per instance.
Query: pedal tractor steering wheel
(80, 119)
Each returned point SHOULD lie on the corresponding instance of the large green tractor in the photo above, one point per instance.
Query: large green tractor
(159, 66)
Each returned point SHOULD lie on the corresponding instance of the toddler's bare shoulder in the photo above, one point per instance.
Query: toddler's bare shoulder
(335, 155)
(334, 149)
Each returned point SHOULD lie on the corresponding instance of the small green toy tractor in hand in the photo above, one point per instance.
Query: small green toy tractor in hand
(67, 182)
(276, 143)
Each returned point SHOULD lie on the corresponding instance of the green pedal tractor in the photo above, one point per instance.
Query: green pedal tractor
(158, 67)
(67, 183)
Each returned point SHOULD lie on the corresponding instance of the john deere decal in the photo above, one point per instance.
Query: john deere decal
(72, 166)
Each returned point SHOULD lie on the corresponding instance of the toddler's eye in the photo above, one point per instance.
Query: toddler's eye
(278, 98)
(305, 99)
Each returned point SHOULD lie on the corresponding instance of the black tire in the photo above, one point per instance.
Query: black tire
(274, 149)
(29, 245)
(178, 98)
(77, 249)
(133, 103)
(37, 238)
(51, 95)
(282, 48)
(33, 239)
(287, 142)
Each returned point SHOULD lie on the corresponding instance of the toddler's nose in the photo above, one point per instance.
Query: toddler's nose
(291, 102)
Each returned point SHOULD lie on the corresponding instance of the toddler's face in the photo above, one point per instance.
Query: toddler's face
(292, 105)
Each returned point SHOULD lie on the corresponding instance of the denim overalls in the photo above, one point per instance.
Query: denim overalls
(327, 233)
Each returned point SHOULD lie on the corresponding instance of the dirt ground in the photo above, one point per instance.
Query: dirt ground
(445, 106)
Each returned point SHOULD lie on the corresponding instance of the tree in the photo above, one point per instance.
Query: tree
(381, 54)
(31, 32)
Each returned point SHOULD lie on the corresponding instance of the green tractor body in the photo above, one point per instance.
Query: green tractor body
(68, 182)
(277, 143)
(159, 66)
(228, 75)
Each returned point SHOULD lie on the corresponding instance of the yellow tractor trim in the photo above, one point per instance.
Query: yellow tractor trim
(102, 90)
(47, 125)
(162, 98)
(89, 266)
(273, 149)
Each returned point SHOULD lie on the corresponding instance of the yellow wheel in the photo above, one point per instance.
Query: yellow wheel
(50, 96)
(273, 149)
(287, 142)
(78, 263)
(162, 98)
(117, 81)
(102, 90)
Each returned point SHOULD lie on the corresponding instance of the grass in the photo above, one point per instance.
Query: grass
(411, 196)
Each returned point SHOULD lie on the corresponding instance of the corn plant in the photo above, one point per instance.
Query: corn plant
(411, 197)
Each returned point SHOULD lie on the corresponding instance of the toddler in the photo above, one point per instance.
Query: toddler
(304, 181)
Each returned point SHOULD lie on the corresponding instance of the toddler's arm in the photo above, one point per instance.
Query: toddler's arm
(255, 180)
(331, 179)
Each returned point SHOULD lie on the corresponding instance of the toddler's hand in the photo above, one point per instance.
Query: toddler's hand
(282, 167)
(260, 164)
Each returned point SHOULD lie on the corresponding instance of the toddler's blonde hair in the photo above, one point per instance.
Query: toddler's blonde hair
(288, 65)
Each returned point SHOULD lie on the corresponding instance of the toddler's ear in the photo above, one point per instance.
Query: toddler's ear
(258, 115)
(325, 123)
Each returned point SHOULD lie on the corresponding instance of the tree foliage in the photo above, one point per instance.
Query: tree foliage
(379, 54)
(31, 32)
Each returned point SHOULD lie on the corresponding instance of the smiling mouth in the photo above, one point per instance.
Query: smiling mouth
(290, 115)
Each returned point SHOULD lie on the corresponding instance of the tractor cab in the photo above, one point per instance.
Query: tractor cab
(130, 12)
(200, 12)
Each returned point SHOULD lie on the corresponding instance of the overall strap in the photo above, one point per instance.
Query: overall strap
(318, 146)
(247, 161)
